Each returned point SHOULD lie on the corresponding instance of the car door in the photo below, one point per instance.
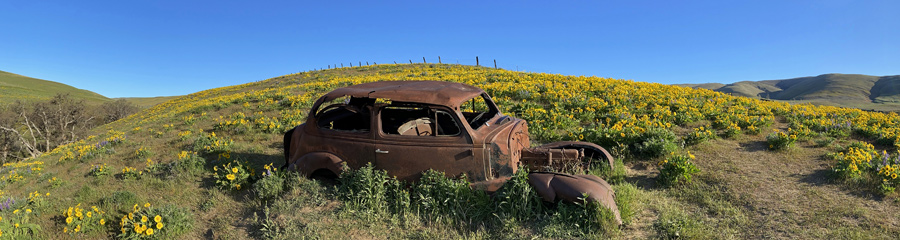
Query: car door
(343, 132)
(414, 138)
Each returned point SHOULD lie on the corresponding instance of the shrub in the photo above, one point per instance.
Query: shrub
(210, 143)
(37, 200)
(184, 135)
(366, 190)
(189, 163)
(732, 130)
(99, 170)
(656, 143)
(119, 200)
(517, 199)
(824, 142)
(587, 217)
(18, 225)
(888, 173)
(676, 169)
(232, 175)
(81, 221)
(131, 173)
(271, 184)
(146, 222)
(436, 195)
(142, 152)
(855, 160)
(780, 140)
(699, 135)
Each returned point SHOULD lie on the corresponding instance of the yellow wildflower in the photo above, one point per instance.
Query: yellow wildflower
(69, 220)
(102, 221)
(157, 218)
(149, 232)
(159, 225)
(146, 205)
(230, 177)
(143, 219)
(234, 170)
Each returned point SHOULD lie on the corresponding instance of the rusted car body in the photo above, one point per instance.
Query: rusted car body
(408, 127)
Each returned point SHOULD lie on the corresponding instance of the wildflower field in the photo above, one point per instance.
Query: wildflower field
(692, 163)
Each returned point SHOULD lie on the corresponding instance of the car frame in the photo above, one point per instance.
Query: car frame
(408, 127)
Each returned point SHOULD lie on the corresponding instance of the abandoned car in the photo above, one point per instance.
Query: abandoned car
(409, 127)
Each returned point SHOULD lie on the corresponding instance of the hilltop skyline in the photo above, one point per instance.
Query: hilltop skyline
(124, 49)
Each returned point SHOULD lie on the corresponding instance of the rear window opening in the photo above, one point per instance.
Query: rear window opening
(346, 114)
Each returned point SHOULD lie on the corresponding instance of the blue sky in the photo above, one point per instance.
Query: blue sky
(160, 48)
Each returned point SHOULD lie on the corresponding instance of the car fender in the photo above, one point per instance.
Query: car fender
(552, 187)
(311, 162)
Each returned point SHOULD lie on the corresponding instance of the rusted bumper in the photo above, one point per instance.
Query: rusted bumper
(561, 154)
(557, 186)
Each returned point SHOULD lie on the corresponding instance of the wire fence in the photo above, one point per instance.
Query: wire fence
(424, 61)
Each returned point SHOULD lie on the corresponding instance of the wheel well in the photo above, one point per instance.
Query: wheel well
(323, 173)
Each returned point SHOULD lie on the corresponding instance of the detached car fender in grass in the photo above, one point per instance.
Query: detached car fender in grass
(408, 127)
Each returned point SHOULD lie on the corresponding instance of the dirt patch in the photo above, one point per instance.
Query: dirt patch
(790, 194)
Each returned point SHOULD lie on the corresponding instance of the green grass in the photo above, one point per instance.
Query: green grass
(146, 102)
(17, 87)
(14, 87)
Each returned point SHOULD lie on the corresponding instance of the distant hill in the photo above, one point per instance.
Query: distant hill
(843, 90)
(17, 87)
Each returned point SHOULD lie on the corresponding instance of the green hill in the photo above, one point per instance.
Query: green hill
(767, 169)
(17, 87)
(145, 102)
(843, 90)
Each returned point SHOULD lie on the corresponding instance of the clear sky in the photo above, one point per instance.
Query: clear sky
(160, 48)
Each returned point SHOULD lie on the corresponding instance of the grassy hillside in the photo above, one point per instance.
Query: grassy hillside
(843, 90)
(146, 102)
(766, 169)
(17, 87)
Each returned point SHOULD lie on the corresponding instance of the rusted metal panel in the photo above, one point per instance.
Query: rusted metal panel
(557, 186)
(429, 92)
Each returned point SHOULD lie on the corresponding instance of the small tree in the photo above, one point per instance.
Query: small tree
(117, 109)
(41, 126)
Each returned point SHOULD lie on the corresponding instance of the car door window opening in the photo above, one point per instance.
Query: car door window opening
(477, 111)
(417, 120)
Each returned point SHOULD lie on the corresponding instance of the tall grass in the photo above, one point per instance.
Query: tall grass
(371, 194)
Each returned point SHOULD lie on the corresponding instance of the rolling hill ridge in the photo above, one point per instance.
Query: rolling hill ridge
(17, 87)
(844, 90)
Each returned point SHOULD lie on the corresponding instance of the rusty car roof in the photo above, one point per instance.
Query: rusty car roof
(430, 92)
